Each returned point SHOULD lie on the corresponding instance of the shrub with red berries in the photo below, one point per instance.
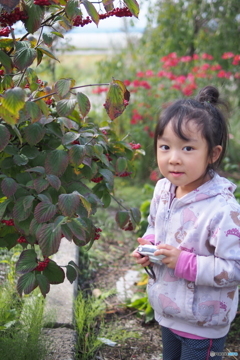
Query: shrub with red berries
(52, 151)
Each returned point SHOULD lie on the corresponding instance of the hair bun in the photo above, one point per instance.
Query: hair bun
(208, 94)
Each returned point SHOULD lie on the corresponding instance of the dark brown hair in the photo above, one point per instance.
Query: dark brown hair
(207, 110)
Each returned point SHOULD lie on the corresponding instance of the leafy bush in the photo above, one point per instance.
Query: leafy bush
(57, 166)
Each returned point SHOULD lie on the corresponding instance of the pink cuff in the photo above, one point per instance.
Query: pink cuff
(150, 237)
(186, 267)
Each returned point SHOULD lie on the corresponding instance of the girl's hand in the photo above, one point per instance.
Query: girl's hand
(144, 261)
(171, 254)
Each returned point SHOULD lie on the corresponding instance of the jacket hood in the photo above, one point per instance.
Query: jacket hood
(217, 185)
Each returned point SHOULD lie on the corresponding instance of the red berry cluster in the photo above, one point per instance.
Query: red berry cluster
(135, 146)
(42, 2)
(5, 31)
(79, 21)
(8, 222)
(42, 265)
(97, 179)
(119, 12)
(123, 174)
(49, 101)
(108, 157)
(75, 142)
(21, 240)
(129, 226)
(97, 235)
(8, 19)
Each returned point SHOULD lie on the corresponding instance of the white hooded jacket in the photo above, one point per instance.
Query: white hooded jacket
(205, 222)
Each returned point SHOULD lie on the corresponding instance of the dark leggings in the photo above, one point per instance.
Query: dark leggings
(176, 347)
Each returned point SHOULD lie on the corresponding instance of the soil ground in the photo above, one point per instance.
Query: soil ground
(113, 264)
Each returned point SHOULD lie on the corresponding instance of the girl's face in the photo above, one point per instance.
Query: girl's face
(184, 162)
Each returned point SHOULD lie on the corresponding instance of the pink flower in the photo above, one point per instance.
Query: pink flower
(207, 56)
(186, 58)
(140, 74)
(100, 89)
(215, 67)
(195, 57)
(236, 60)
(227, 55)
(224, 74)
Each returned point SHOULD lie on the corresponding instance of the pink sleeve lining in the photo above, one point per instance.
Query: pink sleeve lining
(186, 267)
(150, 237)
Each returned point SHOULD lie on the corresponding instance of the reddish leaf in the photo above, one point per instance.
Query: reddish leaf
(9, 187)
(68, 203)
(40, 185)
(77, 154)
(27, 283)
(27, 261)
(49, 238)
(56, 162)
(54, 181)
(43, 284)
(44, 212)
(4, 136)
(117, 99)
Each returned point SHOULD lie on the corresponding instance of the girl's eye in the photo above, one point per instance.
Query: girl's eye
(187, 148)
(164, 147)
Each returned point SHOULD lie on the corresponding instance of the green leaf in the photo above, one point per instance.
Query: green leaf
(54, 273)
(63, 86)
(35, 16)
(56, 162)
(136, 215)
(26, 283)
(121, 164)
(58, 33)
(68, 203)
(54, 181)
(37, 169)
(48, 39)
(39, 56)
(20, 160)
(66, 106)
(34, 133)
(10, 240)
(92, 12)
(20, 213)
(69, 137)
(47, 52)
(122, 218)
(4, 136)
(27, 261)
(43, 284)
(77, 229)
(71, 8)
(106, 199)
(28, 202)
(30, 151)
(71, 273)
(108, 177)
(108, 5)
(33, 111)
(14, 100)
(3, 206)
(6, 61)
(83, 103)
(133, 7)
(44, 212)
(24, 55)
(49, 238)
(77, 154)
(9, 186)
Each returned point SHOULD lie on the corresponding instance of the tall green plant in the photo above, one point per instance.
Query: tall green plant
(51, 153)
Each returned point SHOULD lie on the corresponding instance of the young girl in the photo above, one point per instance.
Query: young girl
(194, 221)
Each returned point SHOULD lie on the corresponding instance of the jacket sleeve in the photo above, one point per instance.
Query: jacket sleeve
(222, 269)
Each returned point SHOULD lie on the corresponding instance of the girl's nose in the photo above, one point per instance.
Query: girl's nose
(174, 157)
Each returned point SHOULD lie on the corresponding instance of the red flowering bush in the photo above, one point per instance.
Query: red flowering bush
(174, 77)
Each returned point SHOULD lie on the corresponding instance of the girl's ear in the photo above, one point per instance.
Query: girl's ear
(215, 154)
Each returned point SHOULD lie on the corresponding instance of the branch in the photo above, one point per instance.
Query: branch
(75, 87)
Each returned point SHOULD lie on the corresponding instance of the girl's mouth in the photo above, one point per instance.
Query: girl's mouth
(176, 174)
